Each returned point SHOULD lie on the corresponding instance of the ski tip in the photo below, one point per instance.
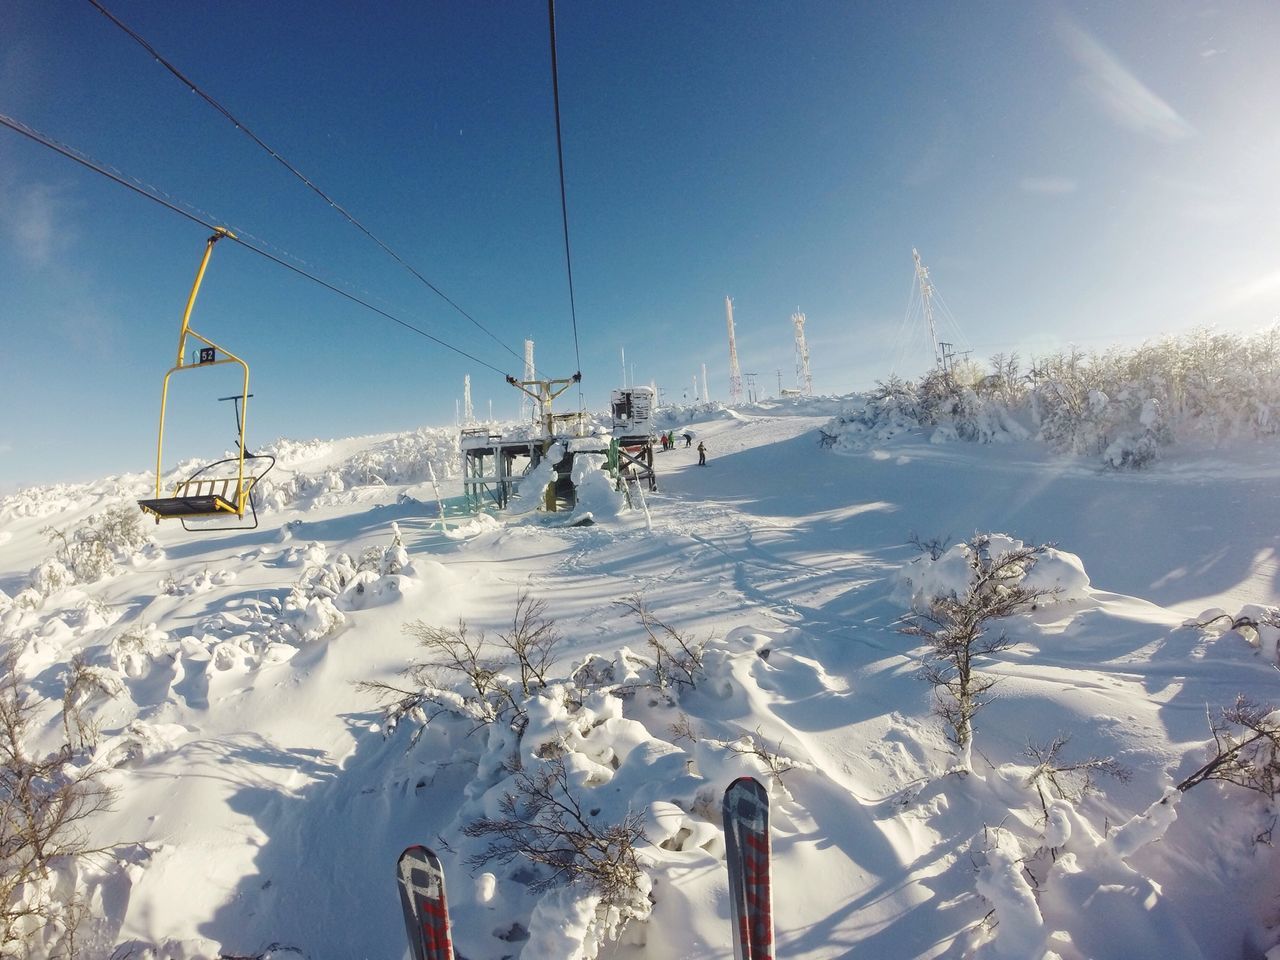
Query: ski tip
(745, 783)
(418, 850)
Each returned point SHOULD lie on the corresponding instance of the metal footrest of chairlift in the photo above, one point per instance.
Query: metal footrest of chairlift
(211, 505)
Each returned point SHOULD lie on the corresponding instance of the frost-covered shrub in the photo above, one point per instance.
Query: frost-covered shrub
(133, 651)
(402, 459)
(395, 558)
(955, 601)
(46, 799)
(96, 548)
(86, 554)
(960, 570)
(49, 577)
(939, 400)
(1122, 406)
(308, 618)
(82, 683)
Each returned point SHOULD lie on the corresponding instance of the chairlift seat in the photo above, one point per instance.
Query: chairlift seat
(209, 505)
(200, 496)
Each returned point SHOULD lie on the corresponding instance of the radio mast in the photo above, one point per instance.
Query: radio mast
(735, 374)
(926, 298)
(803, 380)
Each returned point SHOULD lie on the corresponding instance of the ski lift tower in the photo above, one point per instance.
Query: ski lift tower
(543, 392)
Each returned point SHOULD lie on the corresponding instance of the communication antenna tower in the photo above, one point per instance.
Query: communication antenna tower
(705, 396)
(468, 415)
(926, 298)
(735, 374)
(803, 379)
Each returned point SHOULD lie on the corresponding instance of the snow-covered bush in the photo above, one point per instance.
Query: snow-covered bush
(939, 401)
(543, 820)
(46, 799)
(955, 599)
(565, 782)
(85, 554)
(401, 459)
(83, 682)
(96, 548)
(1122, 406)
(1245, 749)
(1256, 625)
(133, 651)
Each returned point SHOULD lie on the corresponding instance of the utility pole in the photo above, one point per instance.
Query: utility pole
(735, 374)
(779, 383)
(751, 387)
(624, 367)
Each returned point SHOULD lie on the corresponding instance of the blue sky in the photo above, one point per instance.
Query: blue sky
(1087, 173)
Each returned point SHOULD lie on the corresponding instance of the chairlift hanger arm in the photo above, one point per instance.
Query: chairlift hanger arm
(547, 389)
(218, 234)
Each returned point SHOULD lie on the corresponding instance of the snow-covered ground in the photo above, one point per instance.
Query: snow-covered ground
(262, 797)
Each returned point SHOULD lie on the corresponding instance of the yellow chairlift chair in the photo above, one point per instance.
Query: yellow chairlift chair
(223, 488)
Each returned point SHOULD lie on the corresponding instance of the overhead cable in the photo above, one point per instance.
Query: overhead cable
(564, 207)
(239, 125)
(72, 154)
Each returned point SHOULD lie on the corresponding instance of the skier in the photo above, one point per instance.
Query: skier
(702, 454)
(662, 438)
(688, 439)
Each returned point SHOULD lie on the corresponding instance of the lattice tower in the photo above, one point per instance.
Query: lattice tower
(926, 298)
(804, 381)
(468, 415)
(735, 373)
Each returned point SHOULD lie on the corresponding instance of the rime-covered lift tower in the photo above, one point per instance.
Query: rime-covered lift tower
(735, 374)
(926, 298)
(804, 382)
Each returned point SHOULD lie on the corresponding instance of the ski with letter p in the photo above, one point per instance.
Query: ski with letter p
(426, 912)
(746, 841)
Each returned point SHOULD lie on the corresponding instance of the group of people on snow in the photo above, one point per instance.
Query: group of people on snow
(668, 441)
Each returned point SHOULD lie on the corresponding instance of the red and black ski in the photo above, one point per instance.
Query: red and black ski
(746, 840)
(426, 912)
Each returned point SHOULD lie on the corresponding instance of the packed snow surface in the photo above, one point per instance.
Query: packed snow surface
(262, 797)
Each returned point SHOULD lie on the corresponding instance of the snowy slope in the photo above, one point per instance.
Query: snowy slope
(262, 799)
